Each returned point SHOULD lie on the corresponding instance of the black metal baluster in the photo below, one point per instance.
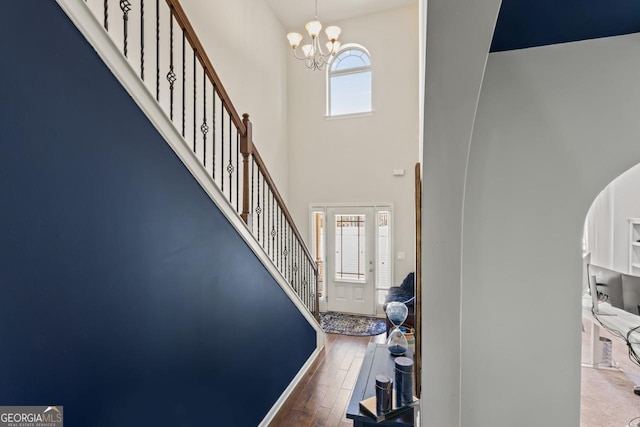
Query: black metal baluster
(230, 167)
(307, 290)
(308, 285)
(294, 260)
(285, 251)
(296, 268)
(258, 208)
(280, 237)
(252, 195)
(283, 236)
(276, 219)
(237, 174)
(289, 257)
(304, 279)
(278, 257)
(313, 286)
(222, 145)
(268, 218)
(171, 76)
(273, 229)
(274, 241)
(158, 50)
(283, 241)
(203, 127)
(213, 137)
(195, 53)
(301, 279)
(125, 6)
(184, 78)
(106, 15)
(142, 40)
(263, 218)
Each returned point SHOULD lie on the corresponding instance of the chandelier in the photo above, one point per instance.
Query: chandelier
(313, 55)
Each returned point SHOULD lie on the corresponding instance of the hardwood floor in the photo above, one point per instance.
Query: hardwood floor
(321, 397)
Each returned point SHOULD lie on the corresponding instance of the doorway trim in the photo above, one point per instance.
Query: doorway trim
(377, 207)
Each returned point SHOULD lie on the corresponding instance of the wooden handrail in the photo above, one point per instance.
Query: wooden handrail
(246, 149)
(243, 167)
(247, 146)
(192, 38)
(276, 194)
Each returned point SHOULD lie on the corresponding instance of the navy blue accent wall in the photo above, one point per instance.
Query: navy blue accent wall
(125, 295)
(525, 23)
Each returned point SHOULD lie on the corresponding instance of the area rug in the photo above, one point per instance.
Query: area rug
(349, 324)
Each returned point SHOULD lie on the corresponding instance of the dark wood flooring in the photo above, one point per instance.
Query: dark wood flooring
(321, 397)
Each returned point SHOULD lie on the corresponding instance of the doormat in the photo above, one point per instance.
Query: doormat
(350, 324)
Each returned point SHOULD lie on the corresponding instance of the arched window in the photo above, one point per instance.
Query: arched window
(349, 82)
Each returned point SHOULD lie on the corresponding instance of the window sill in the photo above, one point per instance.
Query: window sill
(349, 116)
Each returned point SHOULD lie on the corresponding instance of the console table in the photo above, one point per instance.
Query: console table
(377, 360)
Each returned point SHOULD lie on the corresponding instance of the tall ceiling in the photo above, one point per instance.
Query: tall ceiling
(293, 14)
(521, 23)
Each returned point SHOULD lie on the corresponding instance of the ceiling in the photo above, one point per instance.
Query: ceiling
(526, 23)
(293, 14)
(521, 23)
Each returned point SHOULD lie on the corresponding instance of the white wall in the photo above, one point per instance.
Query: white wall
(248, 49)
(554, 126)
(459, 34)
(352, 159)
(608, 220)
(599, 229)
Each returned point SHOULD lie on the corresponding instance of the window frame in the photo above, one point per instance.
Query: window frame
(348, 71)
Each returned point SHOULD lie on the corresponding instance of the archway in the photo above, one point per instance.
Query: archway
(608, 374)
(545, 143)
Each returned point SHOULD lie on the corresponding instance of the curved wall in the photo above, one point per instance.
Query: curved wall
(125, 295)
(554, 126)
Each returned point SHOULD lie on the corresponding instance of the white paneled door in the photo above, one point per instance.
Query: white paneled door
(350, 260)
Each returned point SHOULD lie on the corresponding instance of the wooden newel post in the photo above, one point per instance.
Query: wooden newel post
(246, 147)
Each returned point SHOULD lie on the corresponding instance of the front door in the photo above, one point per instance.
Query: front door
(350, 260)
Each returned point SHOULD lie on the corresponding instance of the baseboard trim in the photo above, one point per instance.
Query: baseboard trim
(292, 385)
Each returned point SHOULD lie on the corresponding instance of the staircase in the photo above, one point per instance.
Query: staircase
(153, 304)
(162, 48)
